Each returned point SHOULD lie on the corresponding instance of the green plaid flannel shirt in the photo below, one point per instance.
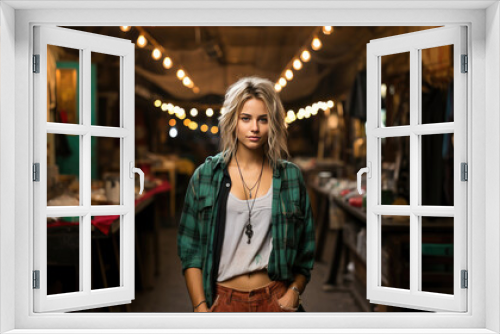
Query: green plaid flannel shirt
(292, 223)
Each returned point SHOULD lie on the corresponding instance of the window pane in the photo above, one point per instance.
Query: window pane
(395, 251)
(437, 169)
(63, 255)
(395, 182)
(395, 90)
(437, 254)
(62, 84)
(437, 84)
(105, 171)
(105, 89)
(63, 170)
(105, 252)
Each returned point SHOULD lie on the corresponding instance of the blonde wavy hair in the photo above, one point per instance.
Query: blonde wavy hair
(236, 96)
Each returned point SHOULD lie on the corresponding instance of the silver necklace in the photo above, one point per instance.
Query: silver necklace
(248, 226)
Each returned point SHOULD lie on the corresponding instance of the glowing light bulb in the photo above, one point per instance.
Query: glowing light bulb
(210, 112)
(214, 129)
(142, 41)
(196, 90)
(157, 103)
(186, 122)
(297, 64)
(186, 81)
(305, 56)
(193, 112)
(327, 30)
(125, 28)
(277, 87)
(316, 44)
(330, 104)
(172, 122)
(164, 107)
(167, 63)
(173, 132)
(156, 54)
(181, 74)
(289, 75)
(204, 128)
(282, 82)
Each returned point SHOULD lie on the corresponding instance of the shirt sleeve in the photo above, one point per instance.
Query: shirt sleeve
(188, 235)
(304, 261)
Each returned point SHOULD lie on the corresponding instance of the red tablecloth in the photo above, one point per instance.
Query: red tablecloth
(103, 223)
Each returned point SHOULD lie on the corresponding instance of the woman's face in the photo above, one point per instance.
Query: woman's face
(253, 124)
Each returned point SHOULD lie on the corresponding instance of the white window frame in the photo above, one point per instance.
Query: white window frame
(483, 125)
(414, 43)
(86, 43)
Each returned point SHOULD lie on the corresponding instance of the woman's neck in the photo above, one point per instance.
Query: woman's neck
(249, 158)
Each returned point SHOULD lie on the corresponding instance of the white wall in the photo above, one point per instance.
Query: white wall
(7, 160)
(492, 157)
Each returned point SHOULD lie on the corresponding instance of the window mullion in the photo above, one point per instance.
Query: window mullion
(415, 232)
(85, 167)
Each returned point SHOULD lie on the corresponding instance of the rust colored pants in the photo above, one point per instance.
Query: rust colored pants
(259, 300)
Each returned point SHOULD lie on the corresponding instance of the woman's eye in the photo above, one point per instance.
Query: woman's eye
(264, 120)
(245, 118)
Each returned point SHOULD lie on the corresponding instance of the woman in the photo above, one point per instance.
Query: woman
(246, 236)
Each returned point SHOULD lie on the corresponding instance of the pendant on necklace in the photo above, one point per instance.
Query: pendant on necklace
(249, 231)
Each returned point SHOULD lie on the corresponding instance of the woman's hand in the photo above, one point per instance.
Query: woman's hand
(202, 308)
(289, 301)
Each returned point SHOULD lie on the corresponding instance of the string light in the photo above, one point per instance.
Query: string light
(164, 107)
(142, 41)
(167, 63)
(214, 129)
(156, 54)
(125, 28)
(173, 132)
(297, 64)
(204, 128)
(330, 104)
(305, 56)
(316, 44)
(196, 90)
(289, 75)
(157, 103)
(187, 81)
(172, 122)
(277, 87)
(181, 74)
(210, 112)
(282, 82)
(193, 112)
(327, 30)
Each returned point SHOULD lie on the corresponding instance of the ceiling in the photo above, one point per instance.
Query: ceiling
(216, 57)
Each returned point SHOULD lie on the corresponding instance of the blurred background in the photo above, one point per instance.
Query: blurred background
(181, 76)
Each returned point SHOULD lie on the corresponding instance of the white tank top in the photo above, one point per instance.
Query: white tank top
(237, 256)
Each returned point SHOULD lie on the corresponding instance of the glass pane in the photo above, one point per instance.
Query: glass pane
(63, 170)
(105, 170)
(437, 169)
(396, 252)
(63, 255)
(105, 89)
(105, 255)
(437, 84)
(437, 254)
(395, 171)
(63, 84)
(395, 90)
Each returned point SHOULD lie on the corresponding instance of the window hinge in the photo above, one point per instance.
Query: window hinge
(36, 63)
(465, 64)
(465, 279)
(464, 171)
(36, 279)
(36, 172)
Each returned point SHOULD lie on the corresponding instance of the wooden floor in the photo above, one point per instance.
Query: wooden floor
(167, 292)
